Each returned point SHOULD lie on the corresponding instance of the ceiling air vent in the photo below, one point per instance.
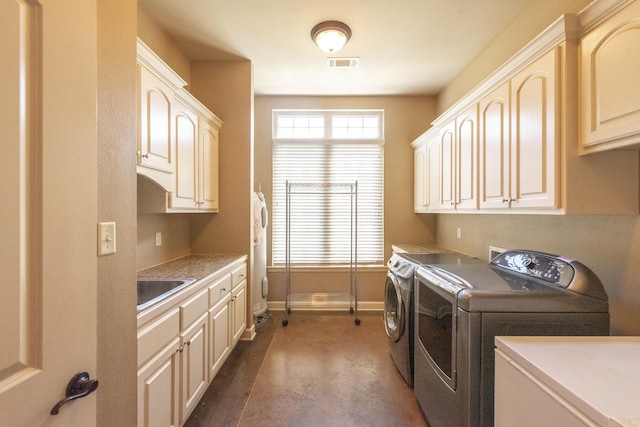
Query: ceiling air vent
(343, 62)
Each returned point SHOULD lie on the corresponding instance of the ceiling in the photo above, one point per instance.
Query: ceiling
(416, 48)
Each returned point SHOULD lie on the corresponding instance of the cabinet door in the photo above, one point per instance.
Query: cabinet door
(154, 141)
(466, 176)
(208, 167)
(195, 368)
(239, 311)
(610, 66)
(494, 149)
(420, 179)
(533, 141)
(185, 133)
(433, 175)
(158, 388)
(219, 335)
(448, 166)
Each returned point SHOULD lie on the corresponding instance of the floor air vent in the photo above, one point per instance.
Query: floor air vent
(343, 62)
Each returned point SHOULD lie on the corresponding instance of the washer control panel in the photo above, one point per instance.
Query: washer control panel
(547, 267)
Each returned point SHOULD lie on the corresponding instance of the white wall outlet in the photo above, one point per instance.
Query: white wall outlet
(158, 238)
(459, 233)
(106, 238)
(494, 251)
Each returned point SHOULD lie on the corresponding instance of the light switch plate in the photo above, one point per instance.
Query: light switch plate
(106, 238)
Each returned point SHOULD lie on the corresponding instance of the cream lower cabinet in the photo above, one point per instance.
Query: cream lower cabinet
(182, 346)
(219, 323)
(238, 303)
(159, 374)
(610, 93)
(194, 352)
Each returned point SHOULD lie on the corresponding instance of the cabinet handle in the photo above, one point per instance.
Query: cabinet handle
(180, 350)
(505, 200)
(223, 290)
(189, 342)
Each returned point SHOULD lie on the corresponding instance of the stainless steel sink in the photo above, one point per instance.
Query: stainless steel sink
(151, 291)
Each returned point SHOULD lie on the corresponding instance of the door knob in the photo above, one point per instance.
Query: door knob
(79, 386)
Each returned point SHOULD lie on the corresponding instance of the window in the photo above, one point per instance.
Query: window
(332, 147)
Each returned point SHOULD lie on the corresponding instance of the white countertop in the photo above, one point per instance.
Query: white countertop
(600, 376)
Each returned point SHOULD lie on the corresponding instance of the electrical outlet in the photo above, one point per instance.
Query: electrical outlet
(459, 233)
(106, 238)
(158, 238)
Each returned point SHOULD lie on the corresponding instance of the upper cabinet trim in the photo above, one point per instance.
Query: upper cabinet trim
(563, 29)
(157, 66)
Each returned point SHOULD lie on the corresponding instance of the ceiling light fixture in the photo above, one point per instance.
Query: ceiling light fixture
(331, 36)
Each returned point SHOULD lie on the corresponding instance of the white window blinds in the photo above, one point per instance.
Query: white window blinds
(320, 222)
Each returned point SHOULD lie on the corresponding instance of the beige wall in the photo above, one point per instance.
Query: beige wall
(610, 245)
(225, 88)
(531, 21)
(405, 119)
(159, 42)
(116, 312)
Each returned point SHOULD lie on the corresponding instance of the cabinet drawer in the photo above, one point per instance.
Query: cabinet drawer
(239, 274)
(157, 334)
(193, 308)
(219, 289)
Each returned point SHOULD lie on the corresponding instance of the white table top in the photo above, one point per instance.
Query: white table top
(599, 376)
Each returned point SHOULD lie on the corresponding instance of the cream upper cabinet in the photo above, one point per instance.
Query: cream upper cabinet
(534, 145)
(208, 190)
(452, 171)
(420, 178)
(154, 143)
(494, 149)
(610, 93)
(185, 124)
(447, 167)
(177, 142)
(196, 145)
(520, 126)
(467, 159)
(433, 175)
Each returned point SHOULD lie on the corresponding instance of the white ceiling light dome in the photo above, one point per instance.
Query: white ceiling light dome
(331, 36)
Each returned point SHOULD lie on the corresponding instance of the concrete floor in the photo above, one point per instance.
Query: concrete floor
(320, 370)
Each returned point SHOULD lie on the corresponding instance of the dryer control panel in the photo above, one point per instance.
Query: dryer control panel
(547, 267)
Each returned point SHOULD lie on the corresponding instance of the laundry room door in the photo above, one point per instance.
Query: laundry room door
(48, 207)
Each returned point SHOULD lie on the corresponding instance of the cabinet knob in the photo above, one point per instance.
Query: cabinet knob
(505, 200)
(189, 342)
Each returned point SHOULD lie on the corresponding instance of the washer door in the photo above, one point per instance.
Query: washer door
(394, 312)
